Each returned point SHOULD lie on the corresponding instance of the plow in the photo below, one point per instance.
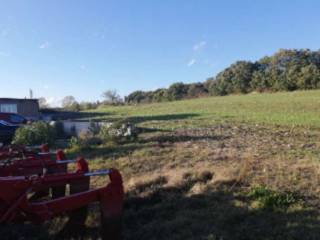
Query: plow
(36, 186)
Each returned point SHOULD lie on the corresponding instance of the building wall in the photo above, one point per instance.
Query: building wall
(28, 108)
(74, 128)
(25, 107)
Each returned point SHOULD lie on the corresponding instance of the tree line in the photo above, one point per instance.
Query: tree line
(286, 70)
(69, 103)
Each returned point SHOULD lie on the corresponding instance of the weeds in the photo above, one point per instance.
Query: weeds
(269, 199)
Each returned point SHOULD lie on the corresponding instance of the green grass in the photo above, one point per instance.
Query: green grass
(300, 108)
(268, 199)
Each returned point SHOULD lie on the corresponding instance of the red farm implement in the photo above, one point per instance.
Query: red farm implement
(34, 164)
(25, 193)
(18, 151)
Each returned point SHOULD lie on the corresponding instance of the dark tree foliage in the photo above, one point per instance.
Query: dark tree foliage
(196, 90)
(136, 97)
(177, 91)
(234, 79)
(160, 95)
(286, 70)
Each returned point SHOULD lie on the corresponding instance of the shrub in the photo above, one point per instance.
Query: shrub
(269, 199)
(34, 134)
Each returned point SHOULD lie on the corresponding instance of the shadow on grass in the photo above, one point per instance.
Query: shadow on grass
(23, 231)
(105, 116)
(114, 151)
(169, 213)
(79, 116)
(126, 148)
(182, 138)
(167, 117)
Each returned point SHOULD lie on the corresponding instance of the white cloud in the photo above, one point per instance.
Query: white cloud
(54, 102)
(191, 62)
(46, 86)
(200, 45)
(44, 45)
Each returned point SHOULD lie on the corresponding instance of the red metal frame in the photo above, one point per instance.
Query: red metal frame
(37, 164)
(20, 151)
(26, 180)
(16, 206)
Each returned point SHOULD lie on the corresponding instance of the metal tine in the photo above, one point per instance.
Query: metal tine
(46, 153)
(66, 161)
(98, 173)
(58, 162)
(34, 147)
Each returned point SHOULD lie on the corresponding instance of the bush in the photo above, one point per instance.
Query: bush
(35, 134)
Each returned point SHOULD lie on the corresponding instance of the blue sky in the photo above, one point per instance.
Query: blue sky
(81, 47)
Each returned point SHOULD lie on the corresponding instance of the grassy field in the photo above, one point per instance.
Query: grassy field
(234, 167)
(292, 109)
(220, 168)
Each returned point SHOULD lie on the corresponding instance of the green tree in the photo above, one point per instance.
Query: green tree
(196, 90)
(177, 91)
(309, 77)
(111, 97)
(68, 101)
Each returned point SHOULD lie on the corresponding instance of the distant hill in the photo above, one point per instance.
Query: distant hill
(286, 70)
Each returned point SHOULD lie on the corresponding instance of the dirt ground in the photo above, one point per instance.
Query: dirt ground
(201, 183)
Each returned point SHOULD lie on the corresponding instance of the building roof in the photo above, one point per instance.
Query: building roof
(18, 99)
